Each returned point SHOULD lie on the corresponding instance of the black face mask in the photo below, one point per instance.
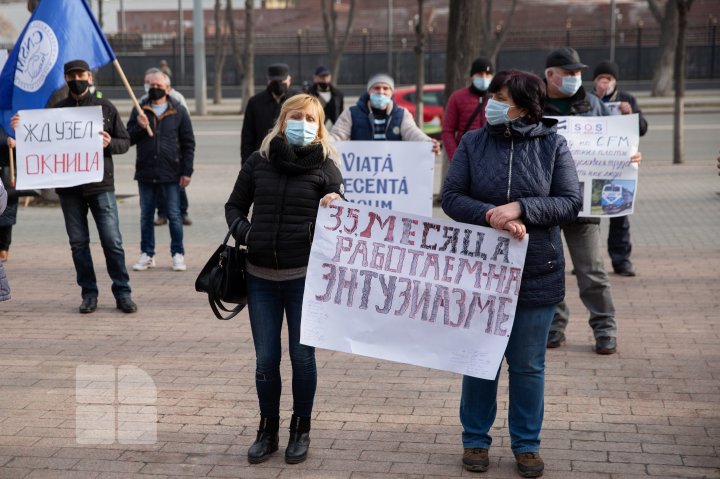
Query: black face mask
(78, 87)
(156, 93)
(278, 88)
(324, 86)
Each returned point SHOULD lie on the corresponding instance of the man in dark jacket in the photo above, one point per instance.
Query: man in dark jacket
(263, 109)
(164, 163)
(330, 97)
(98, 198)
(567, 97)
(619, 103)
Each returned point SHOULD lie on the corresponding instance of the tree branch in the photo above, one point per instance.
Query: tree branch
(655, 10)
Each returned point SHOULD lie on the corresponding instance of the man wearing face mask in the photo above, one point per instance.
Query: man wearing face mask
(376, 117)
(164, 163)
(263, 109)
(98, 198)
(621, 103)
(465, 107)
(330, 97)
(160, 200)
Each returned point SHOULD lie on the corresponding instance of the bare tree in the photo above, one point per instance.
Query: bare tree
(100, 13)
(220, 42)
(420, 63)
(244, 64)
(335, 45)
(463, 45)
(492, 37)
(683, 7)
(662, 74)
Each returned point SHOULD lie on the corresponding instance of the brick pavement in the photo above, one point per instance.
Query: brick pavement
(652, 410)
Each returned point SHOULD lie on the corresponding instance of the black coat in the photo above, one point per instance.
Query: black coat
(619, 95)
(286, 198)
(335, 106)
(534, 167)
(169, 153)
(260, 114)
(119, 144)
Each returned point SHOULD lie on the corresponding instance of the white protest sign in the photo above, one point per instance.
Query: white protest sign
(59, 147)
(613, 107)
(412, 289)
(601, 147)
(396, 175)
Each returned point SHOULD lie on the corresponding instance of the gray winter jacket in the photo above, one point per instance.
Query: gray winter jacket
(4, 285)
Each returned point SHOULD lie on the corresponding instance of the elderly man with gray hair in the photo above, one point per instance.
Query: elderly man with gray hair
(376, 117)
(164, 163)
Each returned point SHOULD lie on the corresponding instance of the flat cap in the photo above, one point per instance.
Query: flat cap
(278, 71)
(564, 57)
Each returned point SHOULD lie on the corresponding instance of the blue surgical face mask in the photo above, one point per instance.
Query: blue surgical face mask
(379, 101)
(570, 85)
(300, 132)
(496, 112)
(481, 83)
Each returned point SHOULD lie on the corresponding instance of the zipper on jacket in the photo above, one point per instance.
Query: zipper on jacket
(512, 147)
(281, 204)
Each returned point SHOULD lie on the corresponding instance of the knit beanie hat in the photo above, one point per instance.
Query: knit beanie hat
(381, 78)
(607, 67)
(481, 65)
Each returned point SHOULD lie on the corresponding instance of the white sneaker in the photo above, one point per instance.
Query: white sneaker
(179, 262)
(144, 262)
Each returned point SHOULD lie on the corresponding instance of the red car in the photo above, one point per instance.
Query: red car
(432, 108)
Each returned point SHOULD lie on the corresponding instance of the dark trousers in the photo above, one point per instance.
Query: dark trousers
(5, 237)
(162, 209)
(619, 246)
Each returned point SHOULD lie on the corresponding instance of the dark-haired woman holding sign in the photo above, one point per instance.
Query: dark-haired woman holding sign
(516, 174)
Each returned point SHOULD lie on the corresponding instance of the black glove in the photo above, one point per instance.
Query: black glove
(242, 229)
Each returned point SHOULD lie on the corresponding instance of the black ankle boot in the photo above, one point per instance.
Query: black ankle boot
(266, 442)
(299, 441)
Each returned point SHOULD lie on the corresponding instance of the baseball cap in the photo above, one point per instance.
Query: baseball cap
(76, 65)
(322, 70)
(564, 57)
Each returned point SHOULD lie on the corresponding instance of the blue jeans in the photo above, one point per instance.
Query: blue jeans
(267, 300)
(148, 194)
(525, 355)
(104, 210)
(160, 203)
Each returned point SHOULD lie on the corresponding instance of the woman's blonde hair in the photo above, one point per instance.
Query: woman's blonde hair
(300, 102)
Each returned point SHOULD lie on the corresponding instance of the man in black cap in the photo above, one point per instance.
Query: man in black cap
(263, 109)
(619, 102)
(98, 198)
(331, 98)
(465, 108)
(567, 97)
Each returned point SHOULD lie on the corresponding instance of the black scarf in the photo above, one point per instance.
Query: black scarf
(294, 160)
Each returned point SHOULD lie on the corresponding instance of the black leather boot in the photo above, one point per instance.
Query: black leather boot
(266, 442)
(299, 441)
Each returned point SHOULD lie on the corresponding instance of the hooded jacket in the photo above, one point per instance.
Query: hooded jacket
(533, 166)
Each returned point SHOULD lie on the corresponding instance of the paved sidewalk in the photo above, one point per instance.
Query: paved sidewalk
(652, 410)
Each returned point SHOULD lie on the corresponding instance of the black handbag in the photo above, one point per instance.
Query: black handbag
(223, 278)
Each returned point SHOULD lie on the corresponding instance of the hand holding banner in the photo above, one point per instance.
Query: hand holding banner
(413, 289)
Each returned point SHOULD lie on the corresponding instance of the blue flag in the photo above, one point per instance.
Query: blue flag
(58, 31)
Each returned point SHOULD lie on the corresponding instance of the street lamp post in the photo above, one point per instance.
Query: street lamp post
(299, 52)
(364, 56)
(639, 49)
(568, 26)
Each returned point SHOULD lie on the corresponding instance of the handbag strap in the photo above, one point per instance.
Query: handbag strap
(231, 229)
(474, 115)
(216, 303)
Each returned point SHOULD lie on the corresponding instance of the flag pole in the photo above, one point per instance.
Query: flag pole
(12, 167)
(121, 73)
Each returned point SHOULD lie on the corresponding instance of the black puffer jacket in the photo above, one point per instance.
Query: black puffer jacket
(533, 166)
(169, 153)
(286, 190)
(119, 144)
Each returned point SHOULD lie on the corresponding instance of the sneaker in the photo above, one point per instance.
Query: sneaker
(530, 464)
(145, 262)
(555, 339)
(160, 220)
(475, 459)
(179, 262)
(606, 345)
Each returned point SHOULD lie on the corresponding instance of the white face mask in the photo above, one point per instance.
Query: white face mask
(570, 85)
(496, 112)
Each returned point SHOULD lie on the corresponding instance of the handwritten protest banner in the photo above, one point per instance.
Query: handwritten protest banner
(59, 147)
(412, 289)
(396, 175)
(601, 147)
